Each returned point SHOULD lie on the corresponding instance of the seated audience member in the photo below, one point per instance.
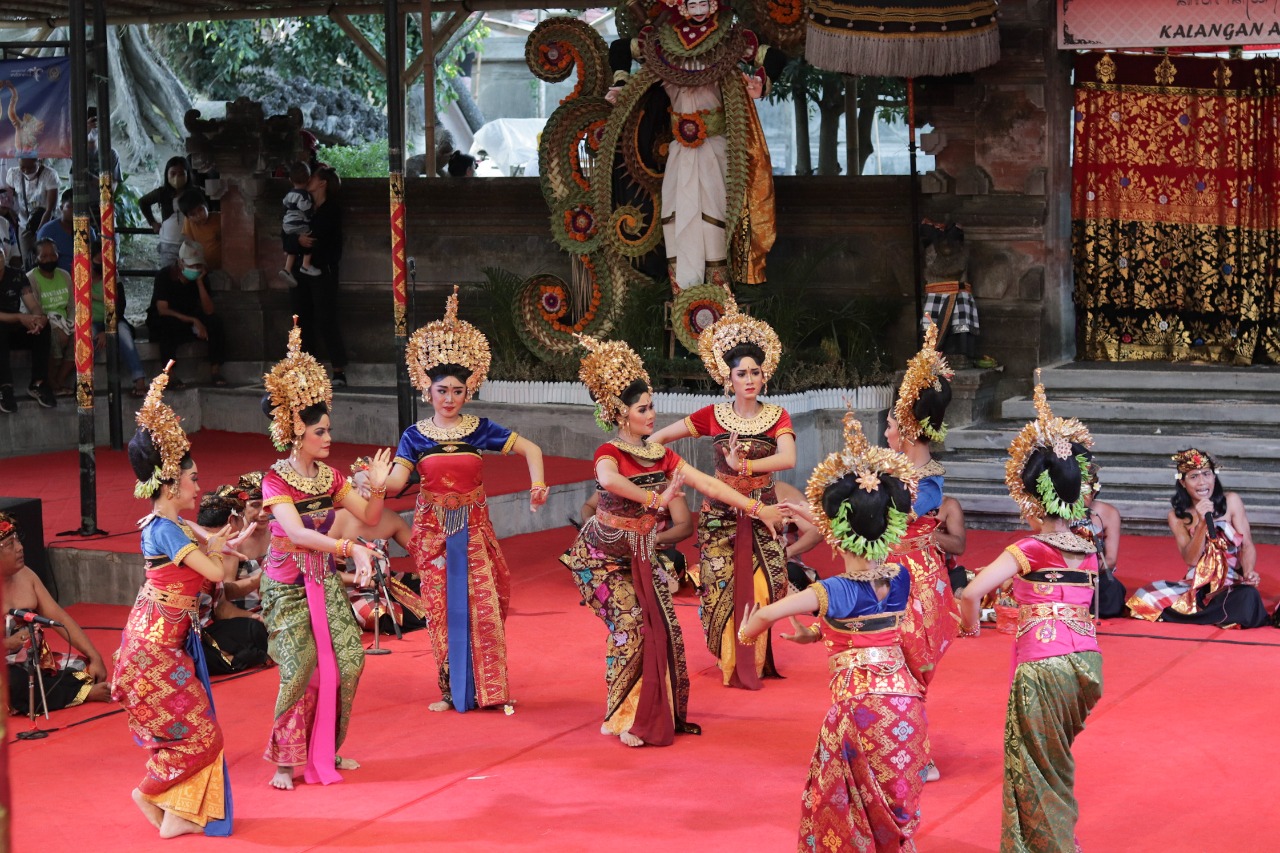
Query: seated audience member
(950, 536)
(113, 158)
(670, 564)
(182, 310)
(234, 639)
(800, 540)
(52, 286)
(177, 177)
(1101, 525)
(67, 682)
(1212, 532)
(62, 232)
(18, 330)
(201, 226)
(35, 190)
(461, 165)
(124, 332)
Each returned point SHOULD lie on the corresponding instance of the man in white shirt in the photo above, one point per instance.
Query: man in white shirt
(35, 190)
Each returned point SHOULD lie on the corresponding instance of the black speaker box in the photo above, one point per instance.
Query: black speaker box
(29, 514)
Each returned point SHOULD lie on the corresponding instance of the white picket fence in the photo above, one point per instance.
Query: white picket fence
(575, 393)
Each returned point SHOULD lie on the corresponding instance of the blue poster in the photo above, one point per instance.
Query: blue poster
(35, 95)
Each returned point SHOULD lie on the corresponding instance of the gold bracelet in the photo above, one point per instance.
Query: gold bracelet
(537, 485)
(377, 492)
(977, 629)
(746, 641)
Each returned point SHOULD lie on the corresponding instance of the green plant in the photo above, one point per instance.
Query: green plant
(357, 161)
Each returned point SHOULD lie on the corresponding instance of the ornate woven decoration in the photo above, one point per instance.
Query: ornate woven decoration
(1192, 459)
(735, 328)
(695, 310)
(923, 371)
(296, 382)
(447, 341)
(1057, 434)
(607, 369)
(867, 463)
(167, 435)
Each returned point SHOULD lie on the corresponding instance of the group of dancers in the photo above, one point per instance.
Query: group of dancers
(885, 621)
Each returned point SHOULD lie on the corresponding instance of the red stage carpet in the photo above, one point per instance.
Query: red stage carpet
(1175, 757)
(221, 457)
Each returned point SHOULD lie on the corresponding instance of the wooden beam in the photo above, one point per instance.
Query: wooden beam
(360, 40)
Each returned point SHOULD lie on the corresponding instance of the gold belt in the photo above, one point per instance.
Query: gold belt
(881, 660)
(284, 544)
(453, 500)
(744, 485)
(1043, 618)
(640, 524)
(168, 599)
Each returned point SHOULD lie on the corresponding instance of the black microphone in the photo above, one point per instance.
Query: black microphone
(413, 267)
(31, 617)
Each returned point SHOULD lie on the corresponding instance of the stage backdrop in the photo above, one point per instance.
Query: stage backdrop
(1084, 24)
(35, 96)
(1176, 225)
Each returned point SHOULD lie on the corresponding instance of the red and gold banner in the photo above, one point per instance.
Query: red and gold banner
(1087, 24)
(82, 296)
(107, 232)
(399, 276)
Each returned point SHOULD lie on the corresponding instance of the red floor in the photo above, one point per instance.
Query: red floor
(221, 457)
(1178, 756)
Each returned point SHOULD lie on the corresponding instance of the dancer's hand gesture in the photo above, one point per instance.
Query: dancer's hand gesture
(364, 566)
(538, 496)
(802, 634)
(380, 468)
(733, 453)
(674, 489)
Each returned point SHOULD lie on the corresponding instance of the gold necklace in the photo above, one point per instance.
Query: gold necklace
(464, 427)
(320, 484)
(1065, 540)
(758, 425)
(650, 451)
(932, 468)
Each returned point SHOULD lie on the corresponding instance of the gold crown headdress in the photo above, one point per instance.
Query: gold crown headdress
(1057, 435)
(252, 483)
(867, 463)
(735, 328)
(8, 526)
(1192, 459)
(167, 436)
(447, 341)
(296, 382)
(607, 369)
(924, 370)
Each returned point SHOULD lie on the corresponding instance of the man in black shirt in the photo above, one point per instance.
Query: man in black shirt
(182, 310)
(22, 331)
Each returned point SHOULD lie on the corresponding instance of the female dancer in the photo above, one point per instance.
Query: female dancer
(612, 558)
(160, 675)
(303, 600)
(466, 586)
(1213, 536)
(1058, 669)
(741, 561)
(867, 769)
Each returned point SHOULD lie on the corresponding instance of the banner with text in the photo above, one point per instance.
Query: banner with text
(35, 100)
(1092, 24)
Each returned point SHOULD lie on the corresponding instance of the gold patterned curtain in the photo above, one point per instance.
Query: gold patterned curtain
(1175, 216)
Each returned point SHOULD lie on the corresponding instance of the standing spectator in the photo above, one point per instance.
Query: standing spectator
(182, 309)
(124, 332)
(202, 226)
(35, 188)
(8, 218)
(298, 205)
(52, 286)
(62, 232)
(177, 176)
(315, 299)
(22, 331)
(113, 167)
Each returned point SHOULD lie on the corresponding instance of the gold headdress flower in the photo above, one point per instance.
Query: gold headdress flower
(8, 526)
(1192, 459)
(297, 382)
(735, 328)
(867, 464)
(167, 436)
(607, 369)
(924, 370)
(447, 341)
(1055, 434)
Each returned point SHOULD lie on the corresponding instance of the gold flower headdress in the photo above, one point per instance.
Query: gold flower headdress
(867, 463)
(735, 328)
(447, 341)
(1057, 435)
(1192, 459)
(607, 369)
(295, 383)
(167, 436)
(924, 370)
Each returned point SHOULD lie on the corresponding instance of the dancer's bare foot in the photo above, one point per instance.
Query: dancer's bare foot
(931, 773)
(442, 705)
(153, 813)
(283, 780)
(346, 763)
(172, 826)
(628, 739)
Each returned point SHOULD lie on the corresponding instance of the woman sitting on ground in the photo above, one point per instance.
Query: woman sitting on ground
(1212, 532)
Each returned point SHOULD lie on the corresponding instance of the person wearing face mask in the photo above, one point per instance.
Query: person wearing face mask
(52, 285)
(35, 188)
(177, 176)
(22, 330)
(61, 232)
(182, 310)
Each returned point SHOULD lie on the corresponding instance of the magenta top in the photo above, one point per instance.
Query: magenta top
(1053, 602)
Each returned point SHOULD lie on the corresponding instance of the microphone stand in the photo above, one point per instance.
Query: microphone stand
(382, 597)
(35, 676)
